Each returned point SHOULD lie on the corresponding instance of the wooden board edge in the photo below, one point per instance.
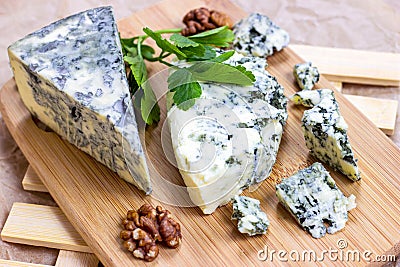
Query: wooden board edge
(20, 233)
(11, 263)
(72, 258)
(367, 80)
(361, 66)
(382, 112)
(32, 181)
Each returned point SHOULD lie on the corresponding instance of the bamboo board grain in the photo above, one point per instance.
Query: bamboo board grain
(93, 197)
(40, 225)
(353, 66)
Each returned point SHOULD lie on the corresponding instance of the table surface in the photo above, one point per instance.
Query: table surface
(359, 24)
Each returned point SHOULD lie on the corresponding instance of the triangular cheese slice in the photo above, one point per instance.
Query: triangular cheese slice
(71, 75)
(325, 131)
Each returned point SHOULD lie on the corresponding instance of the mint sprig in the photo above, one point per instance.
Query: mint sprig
(204, 66)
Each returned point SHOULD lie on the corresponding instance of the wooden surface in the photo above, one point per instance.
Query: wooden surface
(71, 258)
(40, 225)
(382, 112)
(65, 259)
(32, 182)
(95, 200)
(353, 66)
(43, 216)
(9, 263)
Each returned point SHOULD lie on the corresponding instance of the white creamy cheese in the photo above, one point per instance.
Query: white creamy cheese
(257, 35)
(71, 75)
(325, 131)
(312, 197)
(228, 140)
(306, 75)
(251, 220)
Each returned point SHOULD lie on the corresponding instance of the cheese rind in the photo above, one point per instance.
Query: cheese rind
(306, 75)
(251, 220)
(71, 75)
(257, 35)
(312, 197)
(325, 131)
(228, 140)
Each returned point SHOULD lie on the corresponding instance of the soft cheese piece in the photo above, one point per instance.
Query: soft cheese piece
(325, 131)
(306, 75)
(257, 35)
(228, 140)
(312, 197)
(71, 75)
(251, 220)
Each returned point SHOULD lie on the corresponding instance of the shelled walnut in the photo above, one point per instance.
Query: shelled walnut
(202, 19)
(146, 226)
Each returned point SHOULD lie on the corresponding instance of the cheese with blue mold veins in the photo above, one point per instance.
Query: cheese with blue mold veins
(312, 197)
(71, 75)
(257, 35)
(306, 75)
(228, 140)
(251, 220)
(325, 131)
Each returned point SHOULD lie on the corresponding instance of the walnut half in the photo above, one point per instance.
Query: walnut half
(147, 226)
(202, 19)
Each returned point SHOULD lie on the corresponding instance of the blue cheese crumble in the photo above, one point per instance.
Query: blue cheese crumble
(325, 131)
(251, 220)
(306, 75)
(257, 35)
(312, 197)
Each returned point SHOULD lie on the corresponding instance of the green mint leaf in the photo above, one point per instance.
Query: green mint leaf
(182, 41)
(185, 95)
(209, 32)
(147, 51)
(129, 47)
(164, 44)
(179, 77)
(246, 72)
(138, 68)
(185, 87)
(194, 52)
(209, 53)
(223, 57)
(133, 86)
(221, 73)
(191, 49)
(221, 37)
(148, 105)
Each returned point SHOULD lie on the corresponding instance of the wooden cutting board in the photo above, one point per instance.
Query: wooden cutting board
(95, 200)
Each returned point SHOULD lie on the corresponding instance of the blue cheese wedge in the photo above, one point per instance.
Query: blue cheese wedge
(71, 75)
(257, 35)
(306, 75)
(325, 131)
(312, 197)
(251, 220)
(228, 140)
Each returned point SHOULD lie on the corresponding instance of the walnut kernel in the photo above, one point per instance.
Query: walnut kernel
(202, 19)
(147, 226)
